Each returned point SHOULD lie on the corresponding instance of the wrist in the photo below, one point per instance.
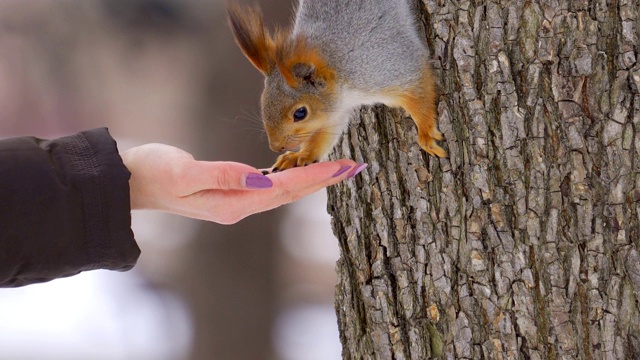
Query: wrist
(128, 159)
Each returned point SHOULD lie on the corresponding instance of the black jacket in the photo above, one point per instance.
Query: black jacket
(64, 208)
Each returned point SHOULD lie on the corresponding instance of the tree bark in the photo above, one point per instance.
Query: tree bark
(523, 243)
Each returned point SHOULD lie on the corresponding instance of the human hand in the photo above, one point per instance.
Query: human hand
(169, 179)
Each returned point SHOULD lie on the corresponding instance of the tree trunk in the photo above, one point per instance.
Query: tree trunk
(523, 243)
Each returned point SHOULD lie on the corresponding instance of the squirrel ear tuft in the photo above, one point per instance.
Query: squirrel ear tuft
(249, 32)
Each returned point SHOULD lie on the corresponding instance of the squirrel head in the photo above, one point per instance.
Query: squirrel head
(300, 91)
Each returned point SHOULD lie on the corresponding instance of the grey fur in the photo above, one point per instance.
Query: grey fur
(363, 39)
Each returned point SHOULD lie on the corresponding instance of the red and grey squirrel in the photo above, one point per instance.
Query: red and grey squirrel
(338, 56)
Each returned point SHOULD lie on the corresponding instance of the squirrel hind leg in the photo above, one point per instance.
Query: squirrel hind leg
(420, 102)
(422, 108)
(429, 145)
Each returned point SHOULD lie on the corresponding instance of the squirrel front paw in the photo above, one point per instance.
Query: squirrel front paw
(292, 159)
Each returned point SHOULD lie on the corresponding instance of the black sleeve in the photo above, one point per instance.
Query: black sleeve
(64, 208)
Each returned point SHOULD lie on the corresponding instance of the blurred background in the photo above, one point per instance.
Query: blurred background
(163, 71)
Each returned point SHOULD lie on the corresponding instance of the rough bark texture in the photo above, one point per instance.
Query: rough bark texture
(523, 244)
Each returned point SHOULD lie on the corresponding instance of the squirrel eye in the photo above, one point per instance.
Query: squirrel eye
(300, 114)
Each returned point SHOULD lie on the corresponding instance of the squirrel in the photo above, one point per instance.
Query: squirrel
(339, 55)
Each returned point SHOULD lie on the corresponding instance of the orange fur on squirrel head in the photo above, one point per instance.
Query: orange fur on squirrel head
(295, 60)
(298, 79)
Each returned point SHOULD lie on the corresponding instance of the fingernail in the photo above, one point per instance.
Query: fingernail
(258, 181)
(341, 171)
(357, 170)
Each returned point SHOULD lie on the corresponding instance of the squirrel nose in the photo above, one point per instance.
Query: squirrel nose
(276, 147)
(280, 147)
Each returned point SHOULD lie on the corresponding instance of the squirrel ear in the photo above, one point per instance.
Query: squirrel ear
(300, 63)
(309, 69)
(306, 72)
(248, 30)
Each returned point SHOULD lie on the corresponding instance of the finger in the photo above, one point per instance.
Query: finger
(295, 183)
(221, 175)
(329, 172)
(230, 206)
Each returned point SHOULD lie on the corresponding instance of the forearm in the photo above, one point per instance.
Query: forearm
(66, 208)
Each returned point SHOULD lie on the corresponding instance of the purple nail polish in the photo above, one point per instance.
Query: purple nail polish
(258, 181)
(342, 171)
(357, 170)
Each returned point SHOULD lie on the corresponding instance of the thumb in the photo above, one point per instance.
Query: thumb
(221, 175)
